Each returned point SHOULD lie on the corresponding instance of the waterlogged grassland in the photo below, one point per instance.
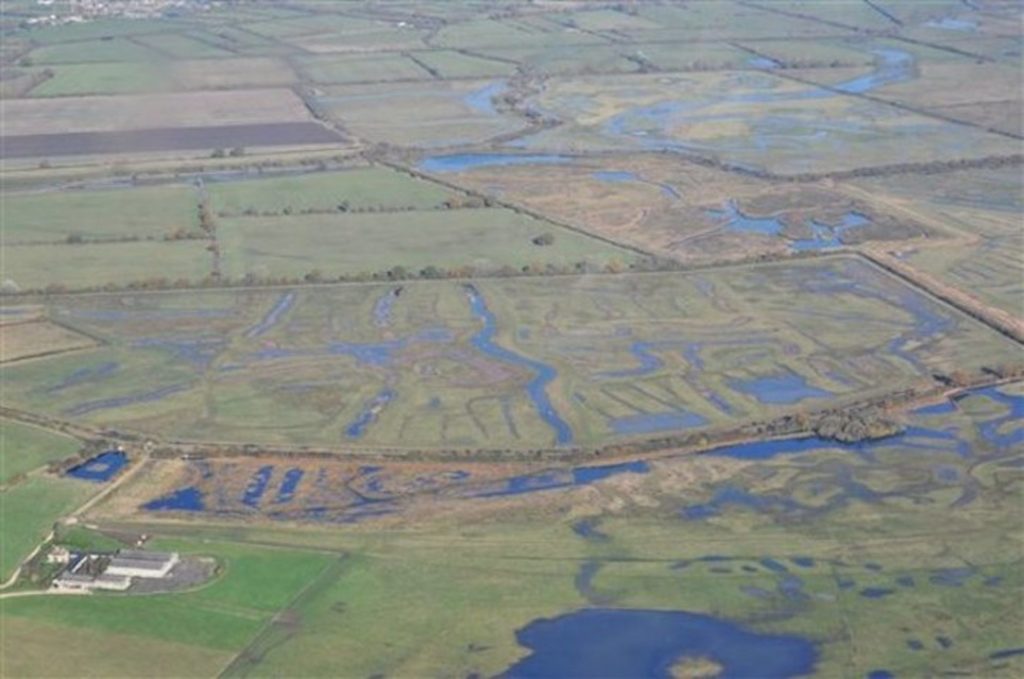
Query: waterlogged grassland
(372, 188)
(520, 363)
(24, 447)
(145, 212)
(902, 557)
(485, 239)
(30, 509)
(751, 119)
(685, 211)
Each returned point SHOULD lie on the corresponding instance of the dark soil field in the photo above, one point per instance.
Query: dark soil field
(166, 139)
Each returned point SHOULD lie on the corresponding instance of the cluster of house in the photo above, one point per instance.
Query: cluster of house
(92, 571)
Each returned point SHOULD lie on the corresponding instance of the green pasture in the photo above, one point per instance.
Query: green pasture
(30, 509)
(673, 56)
(452, 64)
(329, 69)
(103, 78)
(33, 267)
(571, 60)
(203, 74)
(201, 629)
(180, 46)
(375, 188)
(142, 212)
(484, 238)
(491, 33)
(107, 50)
(24, 448)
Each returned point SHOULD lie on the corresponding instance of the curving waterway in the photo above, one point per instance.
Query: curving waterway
(544, 374)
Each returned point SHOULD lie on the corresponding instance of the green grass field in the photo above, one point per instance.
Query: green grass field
(327, 69)
(201, 629)
(361, 188)
(114, 49)
(179, 46)
(103, 78)
(443, 117)
(35, 267)
(29, 510)
(156, 211)
(485, 239)
(452, 64)
(25, 448)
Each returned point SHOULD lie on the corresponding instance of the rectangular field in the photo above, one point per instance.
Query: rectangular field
(35, 267)
(517, 363)
(484, 239)
(57, 216)
(447, 113)
(63, 115)
(372, 188)
(208, 139)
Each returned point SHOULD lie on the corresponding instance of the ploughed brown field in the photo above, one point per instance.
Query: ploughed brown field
(166, 139)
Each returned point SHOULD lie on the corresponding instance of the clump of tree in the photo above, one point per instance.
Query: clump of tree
(857, 425)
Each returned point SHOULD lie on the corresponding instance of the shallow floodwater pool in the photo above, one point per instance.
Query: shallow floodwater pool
(100, 468)
(607, 642)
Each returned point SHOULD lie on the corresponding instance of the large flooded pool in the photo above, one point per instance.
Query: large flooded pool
(608, 642)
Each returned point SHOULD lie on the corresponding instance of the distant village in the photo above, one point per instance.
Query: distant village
(80, 11)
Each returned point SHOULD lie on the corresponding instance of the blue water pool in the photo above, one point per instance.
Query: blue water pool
(101, 468)
(607, 642)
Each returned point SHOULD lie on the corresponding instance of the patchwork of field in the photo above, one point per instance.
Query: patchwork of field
(682, 210)
(352, 282)
(501, 363)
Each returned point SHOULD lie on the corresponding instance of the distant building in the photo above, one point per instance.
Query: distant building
(69, 582)
(58, 555)
(88, 572)
(136, 563)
